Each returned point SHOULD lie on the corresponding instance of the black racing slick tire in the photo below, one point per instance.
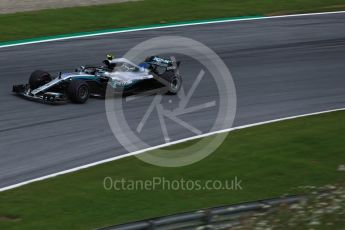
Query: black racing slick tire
(78, 91)
(39, 78)
(175, 84)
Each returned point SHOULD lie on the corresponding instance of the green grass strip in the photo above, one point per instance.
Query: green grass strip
(73, 20)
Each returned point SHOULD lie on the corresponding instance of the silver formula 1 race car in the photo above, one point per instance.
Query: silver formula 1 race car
(120, 75)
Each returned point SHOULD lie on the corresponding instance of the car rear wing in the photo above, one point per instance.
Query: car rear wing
(162, 61)
(161, 64)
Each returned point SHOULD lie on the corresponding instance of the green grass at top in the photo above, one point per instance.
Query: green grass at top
(271, 160)
(80, 19)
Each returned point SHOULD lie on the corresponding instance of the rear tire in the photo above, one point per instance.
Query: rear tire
(78, 91)
(39, 78)
(175, 84)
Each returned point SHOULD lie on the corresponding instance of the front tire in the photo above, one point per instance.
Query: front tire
(78, 91)
(39, 78)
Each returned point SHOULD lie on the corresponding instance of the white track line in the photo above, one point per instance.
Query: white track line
(163, 146)
(174, 142)
(91, 34)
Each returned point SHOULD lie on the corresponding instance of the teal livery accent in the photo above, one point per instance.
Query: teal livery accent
(85, 78)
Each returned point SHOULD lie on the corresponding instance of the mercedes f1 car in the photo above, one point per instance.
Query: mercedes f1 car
(120, 75)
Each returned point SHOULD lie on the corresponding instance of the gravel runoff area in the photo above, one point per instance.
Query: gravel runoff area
(12, 6)
(321, 210)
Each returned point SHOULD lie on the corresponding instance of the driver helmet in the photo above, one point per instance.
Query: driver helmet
(110, 57)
